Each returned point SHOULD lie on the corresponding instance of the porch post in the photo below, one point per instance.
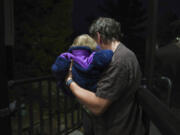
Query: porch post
(151, 40)
(4, 99)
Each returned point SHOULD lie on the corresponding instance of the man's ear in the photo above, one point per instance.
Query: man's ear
(99, 40)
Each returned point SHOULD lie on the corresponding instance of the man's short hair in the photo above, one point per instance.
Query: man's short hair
(109, 29)
(175, 28)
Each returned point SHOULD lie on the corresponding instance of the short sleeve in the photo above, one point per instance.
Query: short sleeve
(113, 82)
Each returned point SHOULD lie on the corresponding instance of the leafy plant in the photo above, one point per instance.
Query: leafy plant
(41, 27)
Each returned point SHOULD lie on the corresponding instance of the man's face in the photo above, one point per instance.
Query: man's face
(100, 43)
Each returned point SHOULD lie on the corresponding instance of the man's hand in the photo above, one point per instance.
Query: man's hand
(69, 75)
(95, 104)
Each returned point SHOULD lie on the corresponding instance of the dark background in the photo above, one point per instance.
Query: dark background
(44, 29)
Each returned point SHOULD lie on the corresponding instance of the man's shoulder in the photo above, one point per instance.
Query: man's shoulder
(167, 50)
(123, 49)
(123, 53)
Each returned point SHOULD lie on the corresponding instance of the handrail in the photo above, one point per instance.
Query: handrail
(48, 98)
(29, 80)
(158, 113)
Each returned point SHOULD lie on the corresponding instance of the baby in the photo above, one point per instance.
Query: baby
(89, 63)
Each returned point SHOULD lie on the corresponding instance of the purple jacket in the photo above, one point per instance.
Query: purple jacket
(87, 66)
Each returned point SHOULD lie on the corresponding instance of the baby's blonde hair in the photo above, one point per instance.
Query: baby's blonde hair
(85, 40)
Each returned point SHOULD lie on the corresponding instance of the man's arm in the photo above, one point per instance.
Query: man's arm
(95, 104)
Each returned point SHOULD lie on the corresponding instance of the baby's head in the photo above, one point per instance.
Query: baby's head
(85, 40)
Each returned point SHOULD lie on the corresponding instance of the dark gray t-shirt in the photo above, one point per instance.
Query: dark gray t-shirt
(119, 84)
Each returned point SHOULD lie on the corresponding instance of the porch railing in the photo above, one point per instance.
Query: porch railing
(42, 108)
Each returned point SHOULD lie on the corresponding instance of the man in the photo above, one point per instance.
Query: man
(167, 62)
(131, 14)
(113, 107)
